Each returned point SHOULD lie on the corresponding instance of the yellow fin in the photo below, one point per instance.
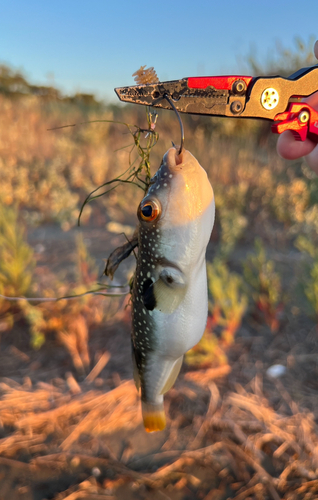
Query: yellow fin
(167, 298)
(173, 375)
(154, 417)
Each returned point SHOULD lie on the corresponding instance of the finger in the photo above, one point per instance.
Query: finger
(316, 49)
(312, 160)
(290, 149)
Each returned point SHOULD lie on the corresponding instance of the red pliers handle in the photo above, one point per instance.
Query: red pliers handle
(301, 119)
(273, 98)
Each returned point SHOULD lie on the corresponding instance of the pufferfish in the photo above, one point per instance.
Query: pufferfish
(169, 294)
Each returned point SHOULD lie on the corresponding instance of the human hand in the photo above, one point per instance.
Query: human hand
(290, 149)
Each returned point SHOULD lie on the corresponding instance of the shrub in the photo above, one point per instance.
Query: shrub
(309, 281)
(16, 263)
(228, 299)
(265, 285)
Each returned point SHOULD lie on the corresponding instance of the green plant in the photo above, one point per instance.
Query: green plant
(308, 227)
(233, 224)
(309, 281)
(16, 258)
(16, 274)
(86, 268)
(230, 204)
(34, 316)
(265, 284)
(228, 300)
(290, 201)
(138, 171)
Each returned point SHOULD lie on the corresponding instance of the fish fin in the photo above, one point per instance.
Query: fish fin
(148, 297)
(173, 375)
(135, 368)
(136, 374)
(169, 290)
(154, 416)
(117, 256)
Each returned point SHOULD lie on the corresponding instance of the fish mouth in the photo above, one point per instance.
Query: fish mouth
(174, 159)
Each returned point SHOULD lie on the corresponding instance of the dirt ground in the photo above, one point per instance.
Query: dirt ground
(233, 432)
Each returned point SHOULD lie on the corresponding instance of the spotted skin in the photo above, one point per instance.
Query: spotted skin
(169, 293)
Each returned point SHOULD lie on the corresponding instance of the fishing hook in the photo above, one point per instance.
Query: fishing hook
(165, 96)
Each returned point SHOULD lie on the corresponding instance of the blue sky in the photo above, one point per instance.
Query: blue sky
(94, 46)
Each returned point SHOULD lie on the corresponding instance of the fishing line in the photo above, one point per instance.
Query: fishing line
(165, 96)
(67, 297)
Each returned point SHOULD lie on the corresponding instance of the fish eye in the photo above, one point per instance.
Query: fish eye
(149, 210)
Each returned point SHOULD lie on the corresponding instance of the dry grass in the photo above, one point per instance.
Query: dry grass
(239, 444)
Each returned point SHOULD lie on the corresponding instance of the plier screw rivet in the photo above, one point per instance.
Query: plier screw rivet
(236, 107)
(303, 116)
(239, 87)
(269, 98)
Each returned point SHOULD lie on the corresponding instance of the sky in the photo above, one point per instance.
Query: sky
(94, 46)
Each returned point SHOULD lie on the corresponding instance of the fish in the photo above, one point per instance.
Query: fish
(169, 291)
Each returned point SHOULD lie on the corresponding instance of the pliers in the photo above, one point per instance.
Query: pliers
(271, 98)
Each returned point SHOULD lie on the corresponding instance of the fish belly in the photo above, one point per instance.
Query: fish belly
(178, 332)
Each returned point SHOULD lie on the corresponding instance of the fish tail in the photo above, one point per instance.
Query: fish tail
(154, 416)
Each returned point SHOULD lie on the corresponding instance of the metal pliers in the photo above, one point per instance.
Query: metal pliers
(273, 98)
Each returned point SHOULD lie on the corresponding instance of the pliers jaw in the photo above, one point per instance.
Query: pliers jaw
(218, 96)
(137, 94)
